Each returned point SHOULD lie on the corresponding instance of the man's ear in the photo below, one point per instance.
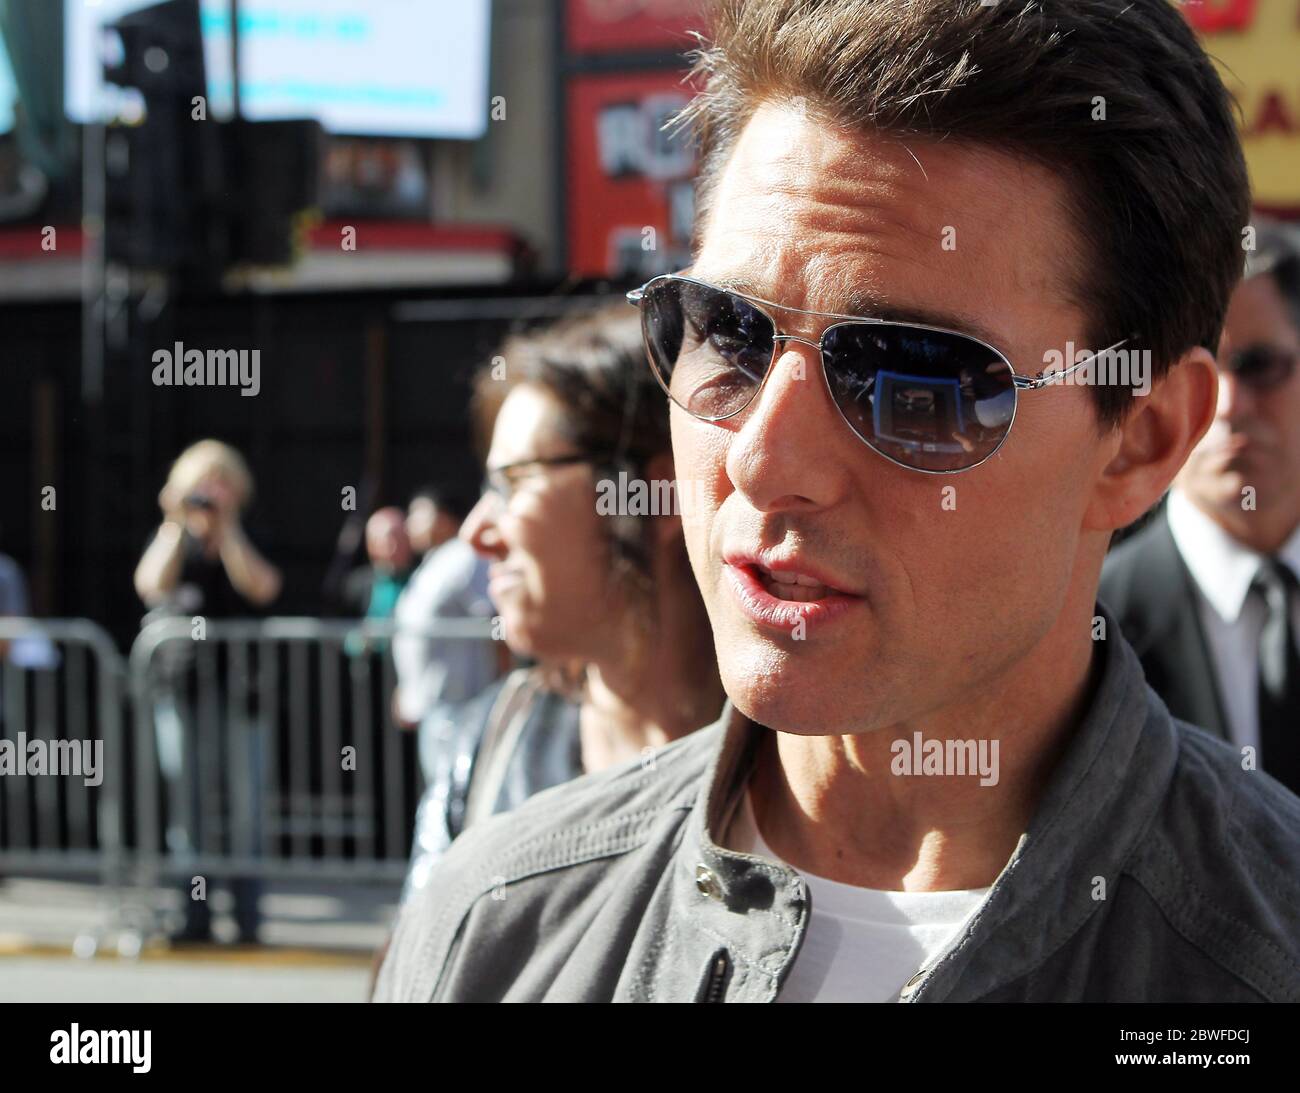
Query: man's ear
(1144, 453)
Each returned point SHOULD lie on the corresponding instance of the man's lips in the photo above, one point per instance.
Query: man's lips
(789, 569)
(1234, 452)
(501, 577)
(1237, 443)
(786, 593)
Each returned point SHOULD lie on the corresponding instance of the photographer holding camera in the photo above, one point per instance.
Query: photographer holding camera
(200, 563)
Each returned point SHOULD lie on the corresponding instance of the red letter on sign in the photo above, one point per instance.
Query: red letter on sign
(1210, 16)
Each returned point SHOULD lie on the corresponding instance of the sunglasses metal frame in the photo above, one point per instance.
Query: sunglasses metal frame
(1018, 382)
(1233, 365)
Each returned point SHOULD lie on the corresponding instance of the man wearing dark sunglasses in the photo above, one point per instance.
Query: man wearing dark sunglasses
(941, 775)
(1206, 591)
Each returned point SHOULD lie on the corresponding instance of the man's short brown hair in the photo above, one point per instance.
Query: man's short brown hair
(1116, 97)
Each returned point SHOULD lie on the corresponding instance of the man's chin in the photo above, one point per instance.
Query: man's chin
(787, 685)
(781, 700)
(1231, 476)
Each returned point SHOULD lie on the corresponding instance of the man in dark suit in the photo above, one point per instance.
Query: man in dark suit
(1207, 591)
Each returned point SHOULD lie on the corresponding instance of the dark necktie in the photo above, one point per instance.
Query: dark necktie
(1279, 677)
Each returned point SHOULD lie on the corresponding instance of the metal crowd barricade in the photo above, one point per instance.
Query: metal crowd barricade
(61, 760)
(278, 756)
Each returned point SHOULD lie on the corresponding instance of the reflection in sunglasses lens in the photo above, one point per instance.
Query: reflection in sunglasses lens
(927, 399)
(710, 349)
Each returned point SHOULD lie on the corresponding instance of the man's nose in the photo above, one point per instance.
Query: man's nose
(480, 529)
(1236, 400)
(782, 456)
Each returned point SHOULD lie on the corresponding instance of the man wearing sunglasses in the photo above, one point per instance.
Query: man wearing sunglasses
(941, 775)
(1206, 592)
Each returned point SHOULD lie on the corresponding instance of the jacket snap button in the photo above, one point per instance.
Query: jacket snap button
(912, 983)
(707, 883)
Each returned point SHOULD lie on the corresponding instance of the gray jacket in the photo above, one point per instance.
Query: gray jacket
(1155, 869)
(508, 743)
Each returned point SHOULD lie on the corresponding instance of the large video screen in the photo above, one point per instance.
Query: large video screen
(414, 68)
(8, 92)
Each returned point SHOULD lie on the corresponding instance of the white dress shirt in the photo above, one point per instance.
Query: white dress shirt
(1222, 570)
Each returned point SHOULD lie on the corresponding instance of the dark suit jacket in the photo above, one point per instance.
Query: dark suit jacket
(1148, 588)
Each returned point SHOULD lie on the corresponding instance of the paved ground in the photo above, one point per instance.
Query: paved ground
(69, 979)
(318, 946)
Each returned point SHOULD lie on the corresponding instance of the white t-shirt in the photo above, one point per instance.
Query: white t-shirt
(861, 944)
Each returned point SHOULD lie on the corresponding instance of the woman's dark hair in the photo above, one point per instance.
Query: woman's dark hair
(594, 366)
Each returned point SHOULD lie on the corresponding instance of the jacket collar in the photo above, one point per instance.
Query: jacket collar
(1098, 802)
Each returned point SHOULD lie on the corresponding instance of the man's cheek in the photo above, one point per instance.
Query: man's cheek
(700, 459)
(697, 507)
(699, 447)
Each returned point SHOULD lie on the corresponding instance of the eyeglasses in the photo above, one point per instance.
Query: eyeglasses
(925, 398)
(501, 481)
(1262, 367)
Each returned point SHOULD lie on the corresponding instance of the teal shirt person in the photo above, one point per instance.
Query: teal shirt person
(385, 588)
(379, 585)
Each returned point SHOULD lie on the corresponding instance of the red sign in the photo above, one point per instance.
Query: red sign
(610, 26)
(1213, 16)
(630, 200)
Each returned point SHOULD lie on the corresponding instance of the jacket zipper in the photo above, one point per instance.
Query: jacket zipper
(714, 985)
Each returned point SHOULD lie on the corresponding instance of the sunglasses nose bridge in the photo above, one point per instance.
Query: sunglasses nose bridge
(777, 339)
(796, 338)
(817, 346)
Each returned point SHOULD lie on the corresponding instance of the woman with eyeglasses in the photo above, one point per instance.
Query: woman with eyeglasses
(593, 590)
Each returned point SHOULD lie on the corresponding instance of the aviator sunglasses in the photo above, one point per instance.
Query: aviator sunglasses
(925, 398)
(1262, 367)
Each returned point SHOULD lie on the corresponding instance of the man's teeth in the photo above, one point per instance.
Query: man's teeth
(793, 586)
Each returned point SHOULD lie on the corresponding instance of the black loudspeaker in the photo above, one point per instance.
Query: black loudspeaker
(186, 194)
